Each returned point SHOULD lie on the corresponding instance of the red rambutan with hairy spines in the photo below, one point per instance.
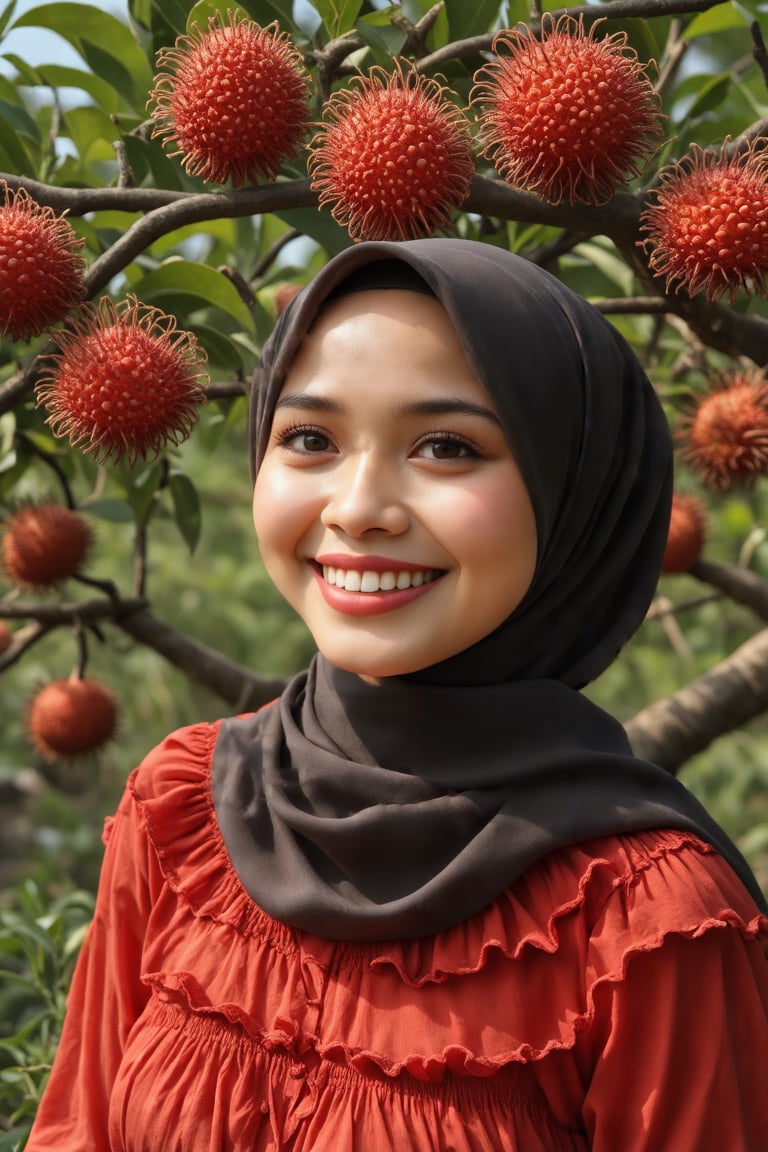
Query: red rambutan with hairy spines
(724, 435)
(687, 533)
(44, 544)
(234, 101)
(392, 157)
(707, 227)
(125, 383)
(41, 267)
(70, 718)
(568, 116)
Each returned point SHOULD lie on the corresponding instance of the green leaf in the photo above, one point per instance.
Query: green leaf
(265, 11)
(609, 263)
(223, 352)
(11, 146)
(181, 286)
(116, 511)
(86, 27)
(516, 12)
(6, 16)
(140, 490)
(470, 19)
(381, 35)
(338, 16)
(717, 19)
(57, 76)
(319, 225)
(27, 76)
(186, 508)
(20, 119)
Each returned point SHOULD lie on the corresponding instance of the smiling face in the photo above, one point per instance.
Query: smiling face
(389, 509)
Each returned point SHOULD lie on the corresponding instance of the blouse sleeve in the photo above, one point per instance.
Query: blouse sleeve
(106, 996)
(682, 1047)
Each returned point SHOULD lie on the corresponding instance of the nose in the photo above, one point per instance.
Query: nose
(366, 495)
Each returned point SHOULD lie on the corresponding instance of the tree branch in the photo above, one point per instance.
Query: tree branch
(740, 584)
(619, 10)
(237, 685)
(670, 731)
(234, 683)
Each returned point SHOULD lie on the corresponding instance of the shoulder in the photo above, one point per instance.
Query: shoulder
(641, 892)
(182, 760)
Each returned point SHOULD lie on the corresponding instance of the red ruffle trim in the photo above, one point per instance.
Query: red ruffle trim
(591, 909)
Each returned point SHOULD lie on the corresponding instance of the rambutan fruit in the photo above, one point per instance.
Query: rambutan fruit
(724, 435)
(285, 295)
(687, 533)
(392, 157)
(44, 544)
(567, 116)
(707, 227)
(125, 383)
(41, 267)
(69, 718)
(234, 101)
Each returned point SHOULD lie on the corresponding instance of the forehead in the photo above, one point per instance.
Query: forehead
(398, 323)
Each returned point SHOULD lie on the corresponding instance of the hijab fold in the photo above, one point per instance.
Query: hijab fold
(360, 811)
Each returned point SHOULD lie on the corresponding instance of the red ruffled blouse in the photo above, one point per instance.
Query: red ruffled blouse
(615, 998)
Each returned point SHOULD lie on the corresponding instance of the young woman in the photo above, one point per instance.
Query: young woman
(428, 899)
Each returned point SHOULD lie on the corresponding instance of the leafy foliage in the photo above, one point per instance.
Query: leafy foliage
(173, 608)
(40, 938)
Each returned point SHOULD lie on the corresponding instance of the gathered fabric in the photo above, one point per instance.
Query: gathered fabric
(581, 1010)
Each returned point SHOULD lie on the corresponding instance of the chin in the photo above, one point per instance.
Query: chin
(370, 669)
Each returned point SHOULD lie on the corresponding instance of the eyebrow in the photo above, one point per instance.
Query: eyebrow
(444, 406)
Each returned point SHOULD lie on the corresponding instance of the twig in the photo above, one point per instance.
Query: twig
(265, 262)
(52, 463)
(674, 50)
(758, 50)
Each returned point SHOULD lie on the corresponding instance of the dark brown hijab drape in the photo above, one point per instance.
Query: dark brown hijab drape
(357, 811)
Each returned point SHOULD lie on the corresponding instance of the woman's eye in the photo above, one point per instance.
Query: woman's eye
(445, 448)
(308, 440)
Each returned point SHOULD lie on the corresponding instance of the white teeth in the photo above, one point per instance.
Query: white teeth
(352, 580)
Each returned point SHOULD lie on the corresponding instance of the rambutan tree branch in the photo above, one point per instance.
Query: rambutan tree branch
(739, 584)
(235, 684)
(618, 10)
(671, 731)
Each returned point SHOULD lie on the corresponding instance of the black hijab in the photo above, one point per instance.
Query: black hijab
(370, 812)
